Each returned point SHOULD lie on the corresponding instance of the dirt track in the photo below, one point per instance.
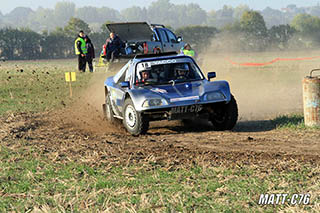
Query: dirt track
(167, 143)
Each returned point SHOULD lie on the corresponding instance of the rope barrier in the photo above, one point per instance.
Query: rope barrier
(271, 62)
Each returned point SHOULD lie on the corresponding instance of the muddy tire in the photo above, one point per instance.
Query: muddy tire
(107, 110)
(225, 116)
(135, 122)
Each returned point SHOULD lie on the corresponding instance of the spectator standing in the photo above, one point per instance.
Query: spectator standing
(81, 51)
(114, 45)
(90, 52)
(187, 50)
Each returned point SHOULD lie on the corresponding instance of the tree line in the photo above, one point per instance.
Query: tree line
(250, 33)
(174, 15)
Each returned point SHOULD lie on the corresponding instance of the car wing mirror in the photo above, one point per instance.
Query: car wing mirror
(125, 84)
(211, 75)
(179, 39)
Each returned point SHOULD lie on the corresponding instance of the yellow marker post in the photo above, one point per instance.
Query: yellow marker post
(70, 77)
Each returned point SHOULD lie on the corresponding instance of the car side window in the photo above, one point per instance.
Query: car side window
(163, 35)
(120, 76)
(172, 37)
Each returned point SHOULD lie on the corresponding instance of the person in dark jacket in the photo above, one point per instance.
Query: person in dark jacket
(81, 51)
(114, 45)
(90, 52)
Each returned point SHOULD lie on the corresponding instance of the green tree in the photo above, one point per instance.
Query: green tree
(106, 13)
(63, 11)
(1, 19)
(253, 23)
(74, 26)
(19, 44)
(163, 9)
(224, 16)
(191, 14)
(273, 17)
(197, 36)
(212, 18)
(280, 35)
(18, 16)
(239, 10)
(88, 14)
(134, 14)
(254, 28)
(42, 19)
(306, 24)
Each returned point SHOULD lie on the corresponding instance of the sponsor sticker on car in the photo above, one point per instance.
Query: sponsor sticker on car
(186, 109)
(158, 90)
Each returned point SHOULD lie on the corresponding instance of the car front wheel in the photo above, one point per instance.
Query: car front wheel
(224, 116)
(135, 122)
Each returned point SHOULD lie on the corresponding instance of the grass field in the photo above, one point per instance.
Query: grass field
(29, 181)
(36, 85)
(32, 182)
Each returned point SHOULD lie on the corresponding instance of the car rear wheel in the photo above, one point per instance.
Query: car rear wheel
(224, 116)
(135, 122)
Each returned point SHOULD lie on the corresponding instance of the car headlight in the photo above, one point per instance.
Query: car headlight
(214, 96)
(154, 102)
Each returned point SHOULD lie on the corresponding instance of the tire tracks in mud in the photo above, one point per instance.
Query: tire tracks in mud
(167, 144)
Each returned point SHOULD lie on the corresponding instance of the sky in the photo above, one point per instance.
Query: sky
(9, 5)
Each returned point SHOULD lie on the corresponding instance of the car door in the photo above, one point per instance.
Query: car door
(173, 42)
(117, 92)
(164, 39)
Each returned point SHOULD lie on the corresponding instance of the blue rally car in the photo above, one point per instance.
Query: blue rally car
(167, 87)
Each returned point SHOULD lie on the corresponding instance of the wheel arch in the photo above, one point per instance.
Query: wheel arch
(134, 98)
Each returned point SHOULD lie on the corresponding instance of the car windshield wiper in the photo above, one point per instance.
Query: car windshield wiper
(173, 82)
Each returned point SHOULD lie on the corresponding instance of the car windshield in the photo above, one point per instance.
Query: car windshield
(147, 74)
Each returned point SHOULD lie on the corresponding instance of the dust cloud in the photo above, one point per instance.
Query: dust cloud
(262, 92)
(85, 112)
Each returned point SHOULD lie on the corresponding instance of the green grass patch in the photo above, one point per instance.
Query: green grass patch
(29, 181)
(295, 121)
(27, 86)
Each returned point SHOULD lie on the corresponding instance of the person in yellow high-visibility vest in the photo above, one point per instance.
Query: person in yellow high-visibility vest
(187, 50)
(81, 51)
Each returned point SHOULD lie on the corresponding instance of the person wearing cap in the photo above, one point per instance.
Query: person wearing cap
(187, 50)
(90, 52)
(81, 51)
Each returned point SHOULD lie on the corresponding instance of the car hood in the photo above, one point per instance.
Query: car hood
(180, 92)
(132, 31)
